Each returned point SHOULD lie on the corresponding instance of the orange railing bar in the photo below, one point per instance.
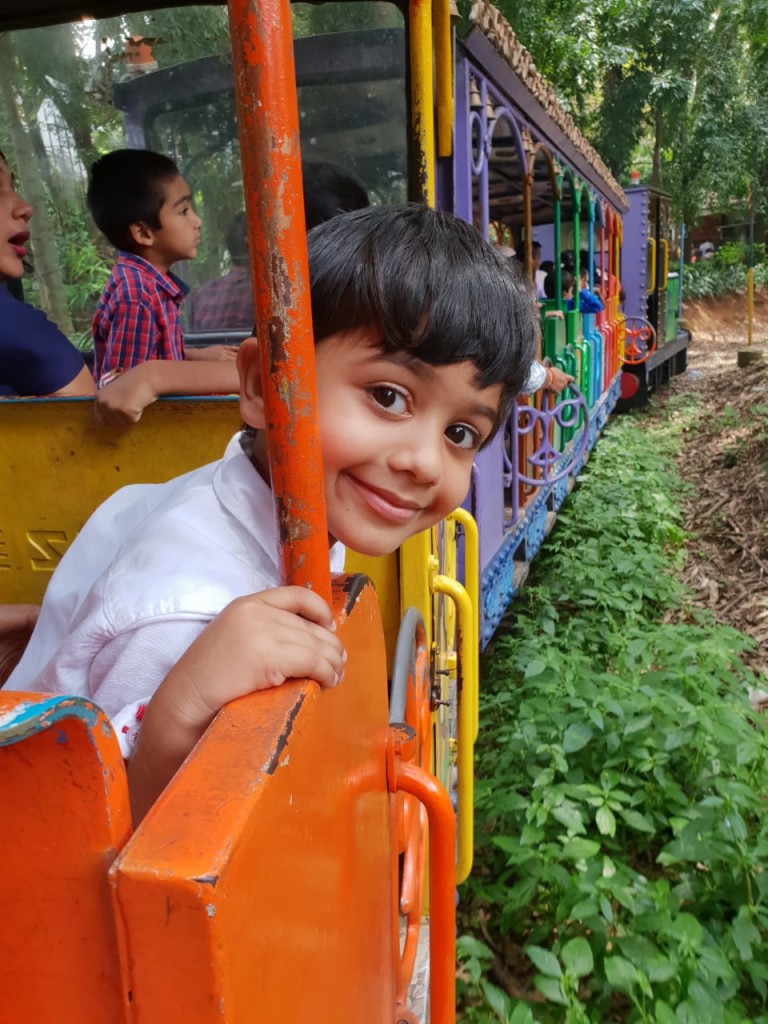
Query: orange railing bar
(268, 123)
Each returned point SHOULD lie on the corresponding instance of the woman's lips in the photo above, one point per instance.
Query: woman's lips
(18, 244)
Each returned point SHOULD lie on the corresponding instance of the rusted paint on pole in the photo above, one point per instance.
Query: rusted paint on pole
(268, 124)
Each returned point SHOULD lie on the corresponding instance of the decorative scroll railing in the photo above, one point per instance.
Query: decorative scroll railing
(536, 452)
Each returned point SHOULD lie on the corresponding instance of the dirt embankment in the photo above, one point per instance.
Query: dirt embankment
(726, 460)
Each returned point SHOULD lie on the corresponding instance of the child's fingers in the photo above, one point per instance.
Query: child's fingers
(294, 651)
(298, 601)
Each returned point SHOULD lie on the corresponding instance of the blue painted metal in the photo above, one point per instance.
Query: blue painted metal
(39, 713)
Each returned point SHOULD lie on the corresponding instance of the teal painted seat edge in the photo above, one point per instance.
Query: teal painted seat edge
(18, 721)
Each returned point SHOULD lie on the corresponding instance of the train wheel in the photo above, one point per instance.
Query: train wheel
(411, 704)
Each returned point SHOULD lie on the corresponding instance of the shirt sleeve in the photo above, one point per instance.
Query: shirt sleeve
(588, 302)
(536, 377)
(37, 359)
(132, 337)
(127, 671)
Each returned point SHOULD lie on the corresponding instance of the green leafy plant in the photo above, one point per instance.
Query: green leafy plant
(620, 806)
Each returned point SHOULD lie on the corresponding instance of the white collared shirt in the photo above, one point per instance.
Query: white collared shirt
(151, 567)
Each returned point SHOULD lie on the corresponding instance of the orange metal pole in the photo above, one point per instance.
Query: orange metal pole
(442, 884)
(268, 122)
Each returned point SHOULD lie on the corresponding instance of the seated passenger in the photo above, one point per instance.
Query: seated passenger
(541, 375)
(141, 203)
(566, 286)
(226, 303)
(588, 301)
(424, 337)
(539, 273)
(35, 357)
(330, 191)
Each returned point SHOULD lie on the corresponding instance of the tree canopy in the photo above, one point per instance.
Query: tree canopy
(674, 88)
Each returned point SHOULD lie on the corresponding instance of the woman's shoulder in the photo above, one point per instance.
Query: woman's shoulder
(24, 326)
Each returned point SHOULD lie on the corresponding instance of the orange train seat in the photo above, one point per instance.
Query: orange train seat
(261, 885)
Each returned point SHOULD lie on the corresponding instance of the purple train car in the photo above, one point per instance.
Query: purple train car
(652, 272)
(525, 176)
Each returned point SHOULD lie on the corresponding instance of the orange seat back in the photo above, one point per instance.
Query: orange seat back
(261, 886)
(65, 816)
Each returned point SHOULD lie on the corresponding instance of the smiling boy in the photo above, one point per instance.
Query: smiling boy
(424, 335)
(143, 206)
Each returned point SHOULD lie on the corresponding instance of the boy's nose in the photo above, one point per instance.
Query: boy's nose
(421, 456)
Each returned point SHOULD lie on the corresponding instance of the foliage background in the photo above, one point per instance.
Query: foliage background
(621, 824)
(677, 89)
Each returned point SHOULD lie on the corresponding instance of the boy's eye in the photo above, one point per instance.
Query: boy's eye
(463, 436)
(389, 398)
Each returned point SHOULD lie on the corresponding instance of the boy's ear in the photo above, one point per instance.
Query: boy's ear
(141, 234)
(251, 393)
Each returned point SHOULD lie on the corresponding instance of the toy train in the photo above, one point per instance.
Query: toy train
(252, 870)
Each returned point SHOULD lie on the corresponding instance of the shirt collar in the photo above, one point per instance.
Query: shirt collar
(242, 491)
(169, 282)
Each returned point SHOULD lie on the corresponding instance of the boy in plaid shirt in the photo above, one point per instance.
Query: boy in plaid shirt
(143, 205)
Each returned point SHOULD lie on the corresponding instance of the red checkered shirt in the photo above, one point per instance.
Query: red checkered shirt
(137, 318)
(224, 303)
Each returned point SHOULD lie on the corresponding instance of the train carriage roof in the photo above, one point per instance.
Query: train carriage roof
(494, 44)
(30, 13)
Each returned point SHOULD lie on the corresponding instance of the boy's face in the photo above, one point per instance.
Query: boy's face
(178, 236)
(14, 226)
(398, 437)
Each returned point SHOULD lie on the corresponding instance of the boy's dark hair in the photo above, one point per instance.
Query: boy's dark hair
(431, 285)
(550, 283)
(126, 187)
(328, 191)
(535, 246)
(237, 243)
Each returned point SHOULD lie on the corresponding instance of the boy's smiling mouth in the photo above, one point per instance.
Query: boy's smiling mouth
(386, 504)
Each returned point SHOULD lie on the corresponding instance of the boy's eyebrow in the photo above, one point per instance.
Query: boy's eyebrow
(425, 371)
(479, 409)
(184, 199)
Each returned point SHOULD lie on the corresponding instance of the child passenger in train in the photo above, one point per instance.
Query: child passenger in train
(35, 357)
(424, 336)
(143, 206)
(222, 304)
(588, 301)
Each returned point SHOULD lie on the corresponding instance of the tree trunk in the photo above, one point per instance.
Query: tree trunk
(47, 270)
(657, 125)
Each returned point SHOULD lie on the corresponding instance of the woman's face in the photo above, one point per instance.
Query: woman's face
(14, 226)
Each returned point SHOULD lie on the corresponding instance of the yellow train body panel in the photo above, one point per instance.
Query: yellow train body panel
(59, 465)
